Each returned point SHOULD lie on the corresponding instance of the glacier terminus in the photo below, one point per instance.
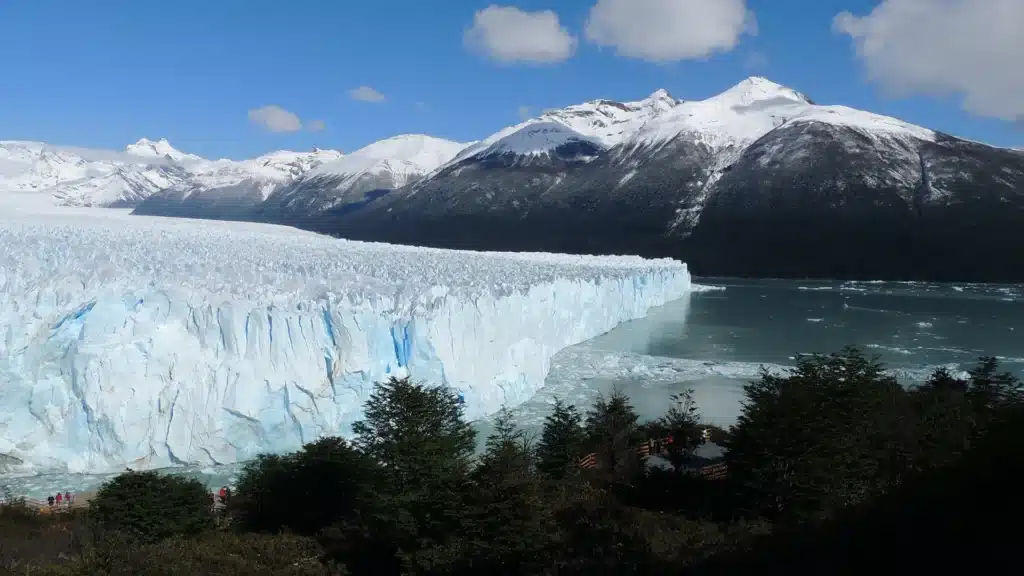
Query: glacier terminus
(145, 342)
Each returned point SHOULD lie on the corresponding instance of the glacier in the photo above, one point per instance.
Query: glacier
(143, 342)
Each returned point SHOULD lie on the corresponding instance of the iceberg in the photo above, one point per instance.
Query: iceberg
(142, 342)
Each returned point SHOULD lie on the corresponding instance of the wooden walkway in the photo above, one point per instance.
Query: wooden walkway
(43, 507)
(80, 502)
(715, 471)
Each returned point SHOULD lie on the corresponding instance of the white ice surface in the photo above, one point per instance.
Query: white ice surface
(148, 342)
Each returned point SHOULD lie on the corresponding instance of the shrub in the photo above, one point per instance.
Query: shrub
(304, 492)
(149, 506)
(214, 554)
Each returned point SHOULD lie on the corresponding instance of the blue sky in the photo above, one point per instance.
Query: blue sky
(105, 73)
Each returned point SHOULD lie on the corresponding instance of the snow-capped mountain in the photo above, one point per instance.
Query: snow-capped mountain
(280, 185)
(84, 177)
(731, 120)
(43, 173)
(756, 180)
(231, 190)
(147, 148)
(384, 165)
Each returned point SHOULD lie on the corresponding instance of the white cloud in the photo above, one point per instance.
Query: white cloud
(366, 94)
(525, 112)
(316, 126)
(507, 34)
(973, 49)
(421, 106)
(669, 30)
(275, 119)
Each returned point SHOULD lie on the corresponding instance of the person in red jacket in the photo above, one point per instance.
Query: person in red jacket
(60, 499)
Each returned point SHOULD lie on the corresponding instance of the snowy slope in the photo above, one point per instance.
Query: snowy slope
(147, 148)
(603, 122)
(83, 177)
(384, 165)
(264, 173)
(87, 177)
(133, 341)
(746, 112)
(731, 120)
(405, 155)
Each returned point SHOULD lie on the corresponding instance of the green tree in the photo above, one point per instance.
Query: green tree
(562, 441)
(415, 432)
(424, 449)
(325, 482)
(947, 516)
(601, 536)
(943, 420)
(831, 433)
(682, 422)
(952, 413)
(991, 391)
(611, 427)
(511, 522)
(149, 506)
(508, 454)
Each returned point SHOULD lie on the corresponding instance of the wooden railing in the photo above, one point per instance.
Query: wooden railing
(44, 507)
(714, 471)
(711, 472)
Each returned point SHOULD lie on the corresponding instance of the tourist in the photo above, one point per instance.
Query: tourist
(60, 499)
(49, 500)
(67, 498)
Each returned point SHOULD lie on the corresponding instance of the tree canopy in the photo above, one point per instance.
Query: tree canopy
(832, 467)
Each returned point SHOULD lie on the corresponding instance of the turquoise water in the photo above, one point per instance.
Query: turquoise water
(715, 341)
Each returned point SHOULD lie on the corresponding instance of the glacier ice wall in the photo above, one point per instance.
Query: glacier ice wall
(149, 342)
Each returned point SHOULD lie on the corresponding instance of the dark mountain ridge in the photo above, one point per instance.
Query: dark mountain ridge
(757, 181)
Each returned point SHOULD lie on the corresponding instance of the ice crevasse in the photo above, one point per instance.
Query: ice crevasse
(145, 342)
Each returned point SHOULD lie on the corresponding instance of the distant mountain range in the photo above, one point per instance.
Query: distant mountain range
(756, 181)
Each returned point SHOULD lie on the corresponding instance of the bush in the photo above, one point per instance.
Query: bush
(31, 540)
(149, 506)
(304, 492)
(832, 433)
(14, 510)
(215, 554)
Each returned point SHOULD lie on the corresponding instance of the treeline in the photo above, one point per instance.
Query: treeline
(833, 468)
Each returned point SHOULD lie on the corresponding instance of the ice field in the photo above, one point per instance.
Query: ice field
(149, 342)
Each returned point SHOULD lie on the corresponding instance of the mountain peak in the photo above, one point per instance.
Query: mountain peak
(758, 88)
(418, 153)
(660, 94)
(156, 149)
